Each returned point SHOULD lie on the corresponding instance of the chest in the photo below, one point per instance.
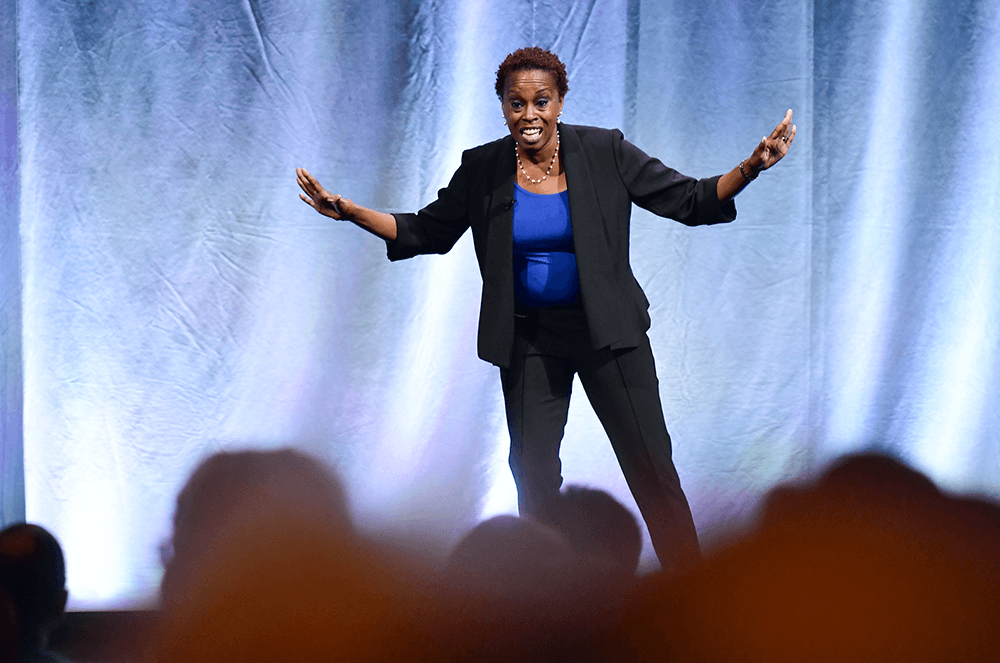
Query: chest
(541, 222)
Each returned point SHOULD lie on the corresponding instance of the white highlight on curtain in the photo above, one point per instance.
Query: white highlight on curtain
(871, 264)
(445, 284)
(501, 498)
(965, 350)
(420, 403)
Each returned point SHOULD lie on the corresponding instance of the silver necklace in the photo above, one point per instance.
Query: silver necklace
(551, 163)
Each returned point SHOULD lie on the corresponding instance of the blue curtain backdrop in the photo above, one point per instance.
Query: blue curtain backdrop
(174, 297)
(11, 395)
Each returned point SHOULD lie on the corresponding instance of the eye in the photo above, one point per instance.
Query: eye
(516, 105)
(542, 103)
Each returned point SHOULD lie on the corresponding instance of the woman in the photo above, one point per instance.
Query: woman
(549, 210)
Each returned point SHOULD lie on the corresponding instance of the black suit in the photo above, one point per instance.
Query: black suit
(605, 174)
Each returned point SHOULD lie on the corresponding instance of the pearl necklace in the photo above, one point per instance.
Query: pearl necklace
(551, 163)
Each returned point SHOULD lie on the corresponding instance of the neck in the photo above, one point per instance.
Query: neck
(539, 157)
(538, 164)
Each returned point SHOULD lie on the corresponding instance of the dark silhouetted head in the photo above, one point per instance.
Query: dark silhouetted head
(33, 573)
(231, 489)
(597, 524)
(871, 562)
(509, 555)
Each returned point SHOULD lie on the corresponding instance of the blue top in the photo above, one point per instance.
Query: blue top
(544, 261)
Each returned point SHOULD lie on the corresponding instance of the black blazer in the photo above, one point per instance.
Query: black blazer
(605, 174)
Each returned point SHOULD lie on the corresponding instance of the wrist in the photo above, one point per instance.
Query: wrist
(347, 210)
(748, 172)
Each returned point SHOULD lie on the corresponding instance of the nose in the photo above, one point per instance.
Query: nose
(529, 112)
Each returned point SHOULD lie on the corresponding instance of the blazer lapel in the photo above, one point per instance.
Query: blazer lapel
(594, 263)
(496, 314)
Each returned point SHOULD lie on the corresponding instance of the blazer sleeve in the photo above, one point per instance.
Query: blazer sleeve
(437, 227)
(665, 192)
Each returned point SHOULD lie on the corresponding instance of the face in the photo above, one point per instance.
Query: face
(531, 106)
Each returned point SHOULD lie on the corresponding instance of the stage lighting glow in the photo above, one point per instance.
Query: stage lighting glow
(874, 226)
(177, 296)
(964, 345)
(501, 498)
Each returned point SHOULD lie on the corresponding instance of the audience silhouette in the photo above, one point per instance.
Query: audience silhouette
(10, 629)
(597, 524)
(267, 566)
(868, 562)
(33, 578)
(233, 489)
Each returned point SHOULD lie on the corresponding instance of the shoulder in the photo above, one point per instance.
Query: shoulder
(608, 145)
(487, 152)
(593, 135)
(595, 144)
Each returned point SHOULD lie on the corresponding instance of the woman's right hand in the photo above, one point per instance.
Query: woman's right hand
(321, 200)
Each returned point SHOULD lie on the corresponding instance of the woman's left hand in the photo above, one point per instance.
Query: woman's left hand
(772, 148)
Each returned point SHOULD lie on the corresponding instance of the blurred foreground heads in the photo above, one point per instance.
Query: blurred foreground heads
(234, 492)
(542, 590)
(598, 525)
(267, 567)
(32, 592)
(871, 563)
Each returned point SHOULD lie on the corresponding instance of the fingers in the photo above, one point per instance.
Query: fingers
(300, 175)
(304, 175)
(781, 146)
(319, 198)
(307, 200)
(786, 127)
(307, 182)
(781, 131)
(772, 148)
(791, 136)
(300, 178)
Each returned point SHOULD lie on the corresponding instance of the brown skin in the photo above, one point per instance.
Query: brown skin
(531, 100)
(340, 208)
(768, 152)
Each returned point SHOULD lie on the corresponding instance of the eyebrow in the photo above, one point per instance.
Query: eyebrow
(544, 91)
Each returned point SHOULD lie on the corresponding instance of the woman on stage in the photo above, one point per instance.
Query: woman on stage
(549, 209)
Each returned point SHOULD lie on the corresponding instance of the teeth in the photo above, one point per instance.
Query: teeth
(535, 130)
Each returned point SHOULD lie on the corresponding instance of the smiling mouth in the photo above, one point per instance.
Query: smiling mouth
(531, 132)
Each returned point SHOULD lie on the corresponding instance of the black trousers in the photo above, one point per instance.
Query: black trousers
(550, 346)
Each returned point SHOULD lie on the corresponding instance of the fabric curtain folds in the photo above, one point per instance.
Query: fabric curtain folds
(175, 297)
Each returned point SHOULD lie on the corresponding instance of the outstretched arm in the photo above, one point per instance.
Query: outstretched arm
(336, 207)
(768, 152)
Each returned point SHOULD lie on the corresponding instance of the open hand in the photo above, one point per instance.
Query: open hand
(321, 200)
(772, 148)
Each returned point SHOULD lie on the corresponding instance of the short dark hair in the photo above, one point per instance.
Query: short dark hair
(532, 57)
